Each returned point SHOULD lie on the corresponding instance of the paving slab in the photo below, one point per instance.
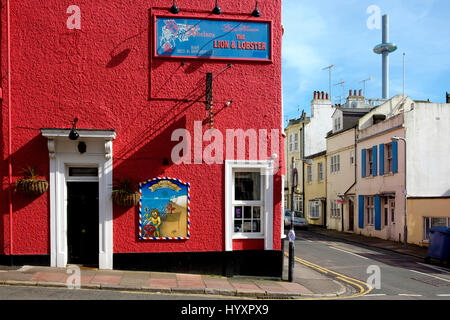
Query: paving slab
(106, 279)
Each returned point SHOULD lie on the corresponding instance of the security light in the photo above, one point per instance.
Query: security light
(73, 135)
(217, 9)
(256, 12)
(174, 9)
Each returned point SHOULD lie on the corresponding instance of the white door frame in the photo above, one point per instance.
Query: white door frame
(63, 153)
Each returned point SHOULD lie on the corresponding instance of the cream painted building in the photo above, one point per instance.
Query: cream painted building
(315, 151)
(294, 150)
(341, 168)
(341, 179)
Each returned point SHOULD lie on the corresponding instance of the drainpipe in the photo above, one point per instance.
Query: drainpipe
(8, 27)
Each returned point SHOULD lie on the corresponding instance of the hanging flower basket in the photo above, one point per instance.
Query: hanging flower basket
(125, 194)
(125, 199)
(30, 185)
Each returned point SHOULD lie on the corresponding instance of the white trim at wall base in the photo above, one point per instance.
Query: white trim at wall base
(266, 167)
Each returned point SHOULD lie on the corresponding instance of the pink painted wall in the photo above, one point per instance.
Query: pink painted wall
(388, 183)
(104, 75)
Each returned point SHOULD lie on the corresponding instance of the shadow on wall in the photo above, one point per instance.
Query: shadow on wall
(30, 155)
(446, 194)
(118, 58)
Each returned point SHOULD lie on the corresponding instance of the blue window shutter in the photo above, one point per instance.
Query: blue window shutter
(377, 213)
(363, 163)
(374, 160)
(361, 212)
(394, 156)
(381, 159)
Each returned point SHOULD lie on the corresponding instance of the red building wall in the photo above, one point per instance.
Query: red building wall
(104, 75)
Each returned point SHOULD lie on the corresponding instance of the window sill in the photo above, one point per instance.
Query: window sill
(248, 236)
(314, 218)
(388, 174)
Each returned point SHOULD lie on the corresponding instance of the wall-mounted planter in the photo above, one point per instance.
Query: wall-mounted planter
(125, 199)
(32, 187)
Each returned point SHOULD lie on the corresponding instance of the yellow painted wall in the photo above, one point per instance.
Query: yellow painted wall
(420, 208)
(316, 189)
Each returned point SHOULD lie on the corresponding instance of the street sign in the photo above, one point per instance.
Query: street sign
(212, 38)
(291, 236)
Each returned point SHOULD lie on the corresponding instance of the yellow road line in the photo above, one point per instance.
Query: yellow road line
(363, 287)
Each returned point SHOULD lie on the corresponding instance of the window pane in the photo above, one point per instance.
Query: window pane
(256, 212)
(238, 226)
(238, 212)
(247, 226)
(256, 226)
(247, 186)
(438, 222)
(247, 212)
(83, 172)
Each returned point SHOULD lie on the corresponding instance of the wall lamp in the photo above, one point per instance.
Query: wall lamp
(174, 9)
(73, 135)
(256, 12)
(217, 9)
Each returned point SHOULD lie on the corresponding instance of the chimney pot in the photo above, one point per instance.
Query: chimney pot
(349, 93)
(360, 93)
(354, 93)
(327, 97)
(323, 95)
(315, 95)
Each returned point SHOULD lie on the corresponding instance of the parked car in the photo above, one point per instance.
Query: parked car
(299, 220)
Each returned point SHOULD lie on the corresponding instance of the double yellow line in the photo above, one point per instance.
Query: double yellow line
(363, 287)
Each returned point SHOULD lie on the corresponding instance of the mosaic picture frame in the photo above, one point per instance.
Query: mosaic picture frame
(164, 209)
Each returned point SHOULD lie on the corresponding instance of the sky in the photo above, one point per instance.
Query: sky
(320, 33)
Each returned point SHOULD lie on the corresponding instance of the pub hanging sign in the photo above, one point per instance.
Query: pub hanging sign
(164, 212)
(212, 39)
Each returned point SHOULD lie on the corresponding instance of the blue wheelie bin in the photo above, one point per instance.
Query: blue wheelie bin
(439, 245)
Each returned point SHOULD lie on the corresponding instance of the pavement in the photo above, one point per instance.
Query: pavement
(170, 283)
(307, 282)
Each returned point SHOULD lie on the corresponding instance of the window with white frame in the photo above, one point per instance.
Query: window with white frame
(295, 142)
(370, 210)
(337, 124)
(291, 142)
(335, 163)
(248, 202)
(320, 171)
(429, 222)
(388, 158)
(298, 203)
(309, 173)
(335, 209)
(314, 209)
(369, 162)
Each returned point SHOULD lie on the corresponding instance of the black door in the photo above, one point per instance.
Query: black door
(82, 223)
